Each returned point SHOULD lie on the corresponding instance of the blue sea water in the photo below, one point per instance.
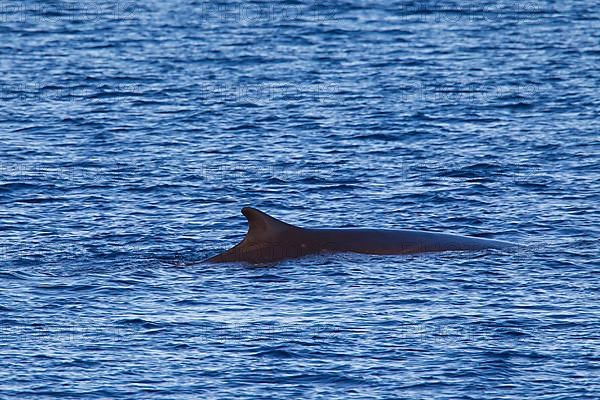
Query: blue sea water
(132, 133)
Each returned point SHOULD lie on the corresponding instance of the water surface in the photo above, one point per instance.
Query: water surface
(131, 135)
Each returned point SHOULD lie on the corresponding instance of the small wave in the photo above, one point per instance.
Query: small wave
(277, 353)
(40, 200)
(516, 106)
(139, 322)
(8, 187)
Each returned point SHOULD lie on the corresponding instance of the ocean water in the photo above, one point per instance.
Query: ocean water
(132, 133)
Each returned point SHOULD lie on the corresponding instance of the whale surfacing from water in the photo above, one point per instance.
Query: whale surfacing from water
(270, 240)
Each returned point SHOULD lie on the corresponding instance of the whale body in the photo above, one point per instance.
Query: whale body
(270, 240)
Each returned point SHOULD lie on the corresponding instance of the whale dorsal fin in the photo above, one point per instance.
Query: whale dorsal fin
(261, 226)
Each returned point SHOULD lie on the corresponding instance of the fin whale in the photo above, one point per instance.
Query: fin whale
(270, 240)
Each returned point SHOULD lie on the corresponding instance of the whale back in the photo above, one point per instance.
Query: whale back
(269, 240)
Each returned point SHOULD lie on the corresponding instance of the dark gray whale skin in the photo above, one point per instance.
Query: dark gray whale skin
(270, 240)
